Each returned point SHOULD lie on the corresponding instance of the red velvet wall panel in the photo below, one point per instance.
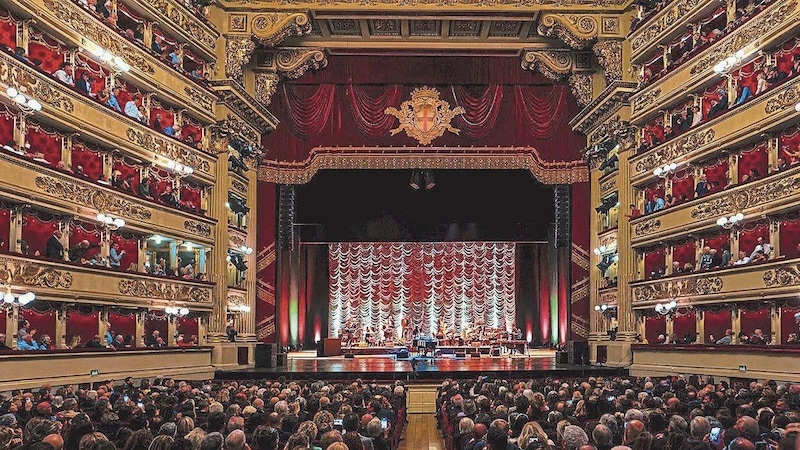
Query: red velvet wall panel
(789, 234)
(653, 260)
(716, 172)
(159, 322)
(755, 158)
(91, 160)
(789, 141)
(80, 231)
(46, 141)
(686, 252)
(746, 75)
(3, 321)
(36, 230)
(127, 167)
(5, 230)
(758, 318)
(715, 323)
(654, 326)
(684, 324)
(783, 57)
(715, 240)
(8, 29)
(6, 126)
(188, 326)
(42, 322)
(579, 317)
(85, 326)
(711, 96)
(124, 324)
(48, 52)
(266, 254)
(748, 237)
(130, 244)
(683, 185)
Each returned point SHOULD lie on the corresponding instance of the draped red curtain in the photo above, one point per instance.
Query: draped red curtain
(685, 253)
(715, 323)
(789, 235)
(6, 124)
(481, 110)
(684, 324)
(541, 114)
(747, 74)
(37, 227)
(89, 158)
(653, 260)
(710, 95)
(124, 324)
(368, 105)
(309, 112)
(463, 283)
(50, 52)
(656, 187)
(41, 318)
(756, 318)
(84, 324)
(160, 178)
(653, 326)
(753, 158)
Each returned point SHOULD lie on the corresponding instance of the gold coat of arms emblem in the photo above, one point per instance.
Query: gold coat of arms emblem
(425, 117)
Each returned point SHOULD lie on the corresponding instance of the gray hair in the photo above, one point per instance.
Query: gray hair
(212, 441)
(574, 437)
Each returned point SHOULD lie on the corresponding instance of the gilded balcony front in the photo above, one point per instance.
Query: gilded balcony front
(180, 22)
(666, 25)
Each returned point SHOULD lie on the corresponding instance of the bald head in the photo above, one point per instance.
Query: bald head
(699, 427)
(635, 428)
(55, 440)
(235, 440)
(748, 426)
(479, 430)
(601, 435)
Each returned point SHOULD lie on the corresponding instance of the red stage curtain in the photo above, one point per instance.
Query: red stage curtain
(367, 105)
(188, 326)
(6, 125)
(717, 239)
(540, 114)
(87, 326)
(311, 112)
(683, 185)
(124, 324)
(79, 231)
(683, 324)
(653, 326)
(44, 140)
(715, 323)
(47, 50)
(37, 227)
(685, 252)
(789, 236)
(758, 317)
(5, 229)
(788, 325)
(789, 141)
(462, 283)
(8, 29)
(90, 158)
(43, 319)
(482, 110)
(753, 158)
(748, 237)
(716, 171)
(653, 260)
(130, 243)
(156, 320)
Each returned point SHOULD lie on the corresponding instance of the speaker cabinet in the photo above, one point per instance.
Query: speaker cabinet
(349, 355)
(578, 352)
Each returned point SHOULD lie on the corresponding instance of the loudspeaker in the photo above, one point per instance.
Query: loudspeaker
(265, 355)
(562, 206)
(461, 354)
(562, 358)
(349, 355)
(281, 360)
(287, 211)
(578, 352)
(403, 354)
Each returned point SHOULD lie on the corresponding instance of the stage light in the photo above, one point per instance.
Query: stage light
(416, 180)
(430, 182)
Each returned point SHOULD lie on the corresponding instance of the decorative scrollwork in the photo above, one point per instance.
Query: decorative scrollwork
(173, 151)
(675, 150)
(581, 86)
(164, 291)
(752, 195)
(647, 227)
(577, 31)
(200, 98)
(198, 228)
(272, 28)
(185, 22)
(640, 102)
(609, 54)
(238, 50)
(293, 62)
(239, 186)
(787, 98)
(645, 36)
(266, 85)
(782, 276)
(15, 74)
(33, 274)
(95, 198)
(554, 64)
(608, 184)
(678, 287)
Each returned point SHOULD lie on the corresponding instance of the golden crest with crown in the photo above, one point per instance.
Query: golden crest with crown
(425, 117)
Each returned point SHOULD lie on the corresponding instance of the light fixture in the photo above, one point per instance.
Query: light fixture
(666, 308)
(178, 168)
(157, 239)
(188, 245)
(797, 107)
(176, 311)
(26, 103)
(10, 299)
(115, 62)
(605, 309)
(729, 222)
(246, 250)
(665, 170)
(238, 308)
(729, 62)
(110, 222)
(604, 249)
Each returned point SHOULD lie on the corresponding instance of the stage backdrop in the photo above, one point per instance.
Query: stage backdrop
(467, 283)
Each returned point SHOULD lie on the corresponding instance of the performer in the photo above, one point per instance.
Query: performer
(441, 329)
(369, 335)
(388, 330)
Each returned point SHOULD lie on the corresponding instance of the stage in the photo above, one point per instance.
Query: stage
(306, 365)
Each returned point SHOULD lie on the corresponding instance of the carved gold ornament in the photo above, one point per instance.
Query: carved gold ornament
(644, 100)
(31, 83)
(203, 99)
(752, 195)
(15, 271)
(678, 287)
(272, 28)
(783, 276)
(238, 50)
(674, 150)
(581, 86)
(266, 86)
(164, 291)
(186, 22)
(425, 117)
(172, 150)
(93, 197)
(198, 228)
(787, 98)
(577, 31)
(646, 35)
(609, 55)
(647, 227)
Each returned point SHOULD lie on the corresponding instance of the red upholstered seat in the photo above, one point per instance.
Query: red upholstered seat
(47, 50)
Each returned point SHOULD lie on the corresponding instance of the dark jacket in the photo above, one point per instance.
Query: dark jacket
(54, 248)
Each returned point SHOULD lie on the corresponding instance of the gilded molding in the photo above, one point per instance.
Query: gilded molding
(404, 5)
(186, 22)
(18, 271)
(201, 98)
(678, 287)
(740, 199)
(239, 186)
(238, 50)
(272, 28)
(95, 198)
(164, 290)
(232, 126)
(198, 228)
(614, 96)
(581, 86)
(232, 94)
(616, 128)
(674, 150)
(648, 34)
(577, 31)
(169, 150)
(28, 81)
(236, 240)
(554, 64)
(647, 227)
(293, 62)
(266, 86)
(608, 240)
(608, 297)
(84, 24)
(609, 54)
(787, 98)
(748, 33)
(645, 99)
(782, 276)
(300, 172)
(608, 184)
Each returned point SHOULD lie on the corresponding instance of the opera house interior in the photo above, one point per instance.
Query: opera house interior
(250, 202)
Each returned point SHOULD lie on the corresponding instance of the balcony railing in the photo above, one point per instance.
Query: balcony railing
(662, 26)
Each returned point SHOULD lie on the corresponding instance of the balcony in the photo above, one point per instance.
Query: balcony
(772, 279)
(84, 115)
(771, 363)
(35, 183)
(778, 21)
(78, 28)
(30, 370)
(181, 22)
(665, 25)
(63, 281)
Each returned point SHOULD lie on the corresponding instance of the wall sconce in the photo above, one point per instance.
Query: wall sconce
(176, 312)
(604, 249)
(665, 171)
(27, 104)
(10, 299)
(110, 222)
(729, 222)
(797, 107)
(237, 308)
(666, 308)
(729, 62)
(115, 62)
(605, 309)
(246, 250)
(179, 168)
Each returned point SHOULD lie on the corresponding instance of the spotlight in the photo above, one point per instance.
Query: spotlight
(416, 180)
(430, 182)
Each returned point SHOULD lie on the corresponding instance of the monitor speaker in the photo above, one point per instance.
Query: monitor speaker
(349, 355)
(403, 354)
(578, 352)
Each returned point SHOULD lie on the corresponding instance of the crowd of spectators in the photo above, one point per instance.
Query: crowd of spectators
(713, 259)
(169, 415)
(672, 413)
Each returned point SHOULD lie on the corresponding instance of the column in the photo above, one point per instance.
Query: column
(700, 326)
(627, 263)
(775, 237)
(137, 338)
(595, 320)
(66, 150)
(216, 263)
(775, 324)
(172, 327)
(733, 169)
(670, 327)
(736, 324)
(15, 237)
(59, 340)
(668, 259)
(12, 326)
(102, 326)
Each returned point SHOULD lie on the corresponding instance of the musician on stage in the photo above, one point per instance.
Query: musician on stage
(349, 331)
(441, 329)
(387, 331)
(369, 335)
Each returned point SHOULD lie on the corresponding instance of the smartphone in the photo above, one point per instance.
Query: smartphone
(385, 425)
(140, 405)
(761, 445)
(715, 435)
(337, 422)
(125, 398)
(611, 398)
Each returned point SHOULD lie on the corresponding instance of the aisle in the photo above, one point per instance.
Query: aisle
(421, 433)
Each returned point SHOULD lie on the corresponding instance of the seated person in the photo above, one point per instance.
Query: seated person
(744, 94)
(97, 260)
(173, 130)
(758, 338)
(743, 259)
(78, 252)
(763, 247)
(28, 344)
(727, 339)
(157, 122)
(144, 187)
(84, 84)
(65, 74)
(705, 259)
(132, 108)
(116, 179)
(112, 101)
(168, 197)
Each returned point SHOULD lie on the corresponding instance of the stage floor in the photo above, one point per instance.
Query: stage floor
(304, 365)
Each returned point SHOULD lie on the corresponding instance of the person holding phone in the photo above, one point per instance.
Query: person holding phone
(378, 431)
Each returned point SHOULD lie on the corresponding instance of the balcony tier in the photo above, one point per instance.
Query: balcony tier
(666, 25)
(173, 17)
